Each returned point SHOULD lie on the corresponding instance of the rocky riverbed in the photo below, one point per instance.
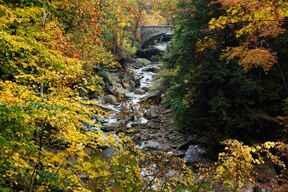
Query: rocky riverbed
(134, 106)
(148, 123)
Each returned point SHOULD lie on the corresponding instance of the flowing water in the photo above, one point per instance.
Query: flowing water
(152, 139)
(146, 75)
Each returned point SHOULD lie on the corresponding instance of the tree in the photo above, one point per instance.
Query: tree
(210, 84)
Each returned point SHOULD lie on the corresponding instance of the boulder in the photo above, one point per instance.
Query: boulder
(248, 188)
(112, 81)
(133, 83)
(152, 95)
(152, 113)
(171, 173)
(152, 125)
(153, 69)
(146, 89)
(194, 153)
(108, 152)
(155, 145)
(118, 90)
(140, 62)
(113, 126)
(129, 84)
(114, 78)
(140, 91)
(126, 85)
(111, 99)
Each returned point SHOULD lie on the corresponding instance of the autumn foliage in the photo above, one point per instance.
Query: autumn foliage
(226, 80)
(230, 85)
(50, 56)
(48, 50)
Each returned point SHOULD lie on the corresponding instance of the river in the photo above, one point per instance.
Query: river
(140, 113)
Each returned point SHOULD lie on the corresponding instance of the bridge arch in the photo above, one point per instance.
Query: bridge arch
(148, 33)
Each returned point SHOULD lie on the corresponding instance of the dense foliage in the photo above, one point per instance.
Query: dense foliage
(51, 57)
(226, 78)
(48, 53)
(229, 81)
(43, 145)
(231, 77)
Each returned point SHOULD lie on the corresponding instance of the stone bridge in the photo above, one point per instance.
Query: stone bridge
(149, 32)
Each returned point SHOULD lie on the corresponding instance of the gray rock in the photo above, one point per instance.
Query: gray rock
(194, 153)
(152, 113)
(166, 111)
(171, 173)
(140, 62)
(133, 83)
(140, 91)
(119, 91)
(248, 188)
(153, 69)
(114, 77)
(146, 89)
(114, 125)
(153, 125)
(155, 145)
(129, 84)
(152, 94)
(126, 85)
(108, 153)
(111, 80)
(111, 99)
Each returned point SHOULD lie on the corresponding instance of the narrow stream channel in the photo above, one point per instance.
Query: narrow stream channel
(129, 113)
(146, 76)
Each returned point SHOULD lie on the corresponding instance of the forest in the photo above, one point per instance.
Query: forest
(143, 96)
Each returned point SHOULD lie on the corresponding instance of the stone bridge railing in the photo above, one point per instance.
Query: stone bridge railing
(148, 32)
